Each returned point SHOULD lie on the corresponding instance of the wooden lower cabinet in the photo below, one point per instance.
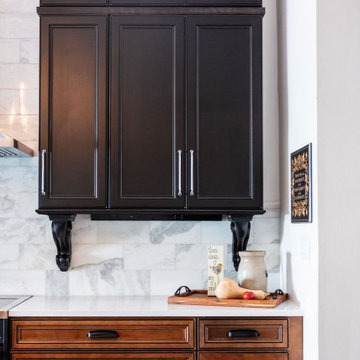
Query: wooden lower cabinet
(102, 334)
(115, 356)
(242, 356)
(270, 333)
(249, 338)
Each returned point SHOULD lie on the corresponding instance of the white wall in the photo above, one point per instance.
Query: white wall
(339, 178)
(116, 258)
(298, 127)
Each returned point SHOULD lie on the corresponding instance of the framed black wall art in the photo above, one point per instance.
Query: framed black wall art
(301, 185)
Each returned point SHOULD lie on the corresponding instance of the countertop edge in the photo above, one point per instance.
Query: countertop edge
(138, 306)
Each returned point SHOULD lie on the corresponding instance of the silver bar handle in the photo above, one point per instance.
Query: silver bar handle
(179, 172)
(191, 172)
(43, 153)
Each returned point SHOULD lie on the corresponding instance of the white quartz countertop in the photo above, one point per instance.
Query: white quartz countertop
(136, 306)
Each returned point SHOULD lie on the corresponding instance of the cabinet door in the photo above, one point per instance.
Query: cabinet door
(225, 111)
(73, 334)
(226, 2)
(146, 2)
(147, 112)
(73, 112)
(103, 356)
(74, 2)
(243, 356)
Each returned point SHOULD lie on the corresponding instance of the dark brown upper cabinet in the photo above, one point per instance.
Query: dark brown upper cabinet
(150, 112)
(164, 113)
(146, 2)
(74, 2)
(151, 2)
(225, 111)
(225, 2)
(185, 2)
(147, 112)
(73, 112)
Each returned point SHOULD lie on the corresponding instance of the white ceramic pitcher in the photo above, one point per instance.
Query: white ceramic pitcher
(252, 272)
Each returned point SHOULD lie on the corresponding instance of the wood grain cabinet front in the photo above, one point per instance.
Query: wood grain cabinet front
(73, 2)
(102, 334)
(186, 2)
(103, 356)
(249, 333)
(157, 338)
(242, 356)
(147, 112)
(73, 112)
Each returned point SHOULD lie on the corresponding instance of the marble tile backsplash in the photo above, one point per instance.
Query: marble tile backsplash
(109, 258)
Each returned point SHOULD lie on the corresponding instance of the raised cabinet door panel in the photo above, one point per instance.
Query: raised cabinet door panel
(74, 2)
(131, 334)
(226, 2)
(146, 2)
(225, 111)
(102, 356)
(272, 333)
(243, 356)
(147, 112)
(73, 112)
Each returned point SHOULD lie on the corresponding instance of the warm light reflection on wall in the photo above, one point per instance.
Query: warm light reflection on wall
(22, 93)
(24, 120)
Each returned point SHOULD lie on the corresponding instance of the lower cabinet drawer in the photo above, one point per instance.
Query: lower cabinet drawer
(242, 356)
(117, 356)
(244, 333)
(28, 334)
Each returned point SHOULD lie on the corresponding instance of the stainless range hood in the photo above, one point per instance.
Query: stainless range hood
(10, 147)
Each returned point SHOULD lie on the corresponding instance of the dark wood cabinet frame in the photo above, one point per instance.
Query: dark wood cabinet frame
(62, 215)
(151, 2)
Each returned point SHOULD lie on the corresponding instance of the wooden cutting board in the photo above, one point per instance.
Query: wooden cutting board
(199, 297)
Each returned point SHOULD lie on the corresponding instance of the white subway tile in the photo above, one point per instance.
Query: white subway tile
(216, 232)
(272, 256)
(191, 257)
(16, 26)
(22, 231)
(28, 203)
(167, 282)
(57, 283)
(14, 178)
(19, 76)
(9, 257)
(84, 255)
(175, 232)
(29, 51)
(84, 230)
(9, 51)
(9, 102)
(14, 282)
(18, 6)
(38, 257)
(266, 230)
(21, 127)
(109, 279)
(123, 231)
(9, 205)
(273, 281)
(29, 102)
(147, 257)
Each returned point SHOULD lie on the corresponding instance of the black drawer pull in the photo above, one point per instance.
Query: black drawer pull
(102, 334)
(242, 333)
